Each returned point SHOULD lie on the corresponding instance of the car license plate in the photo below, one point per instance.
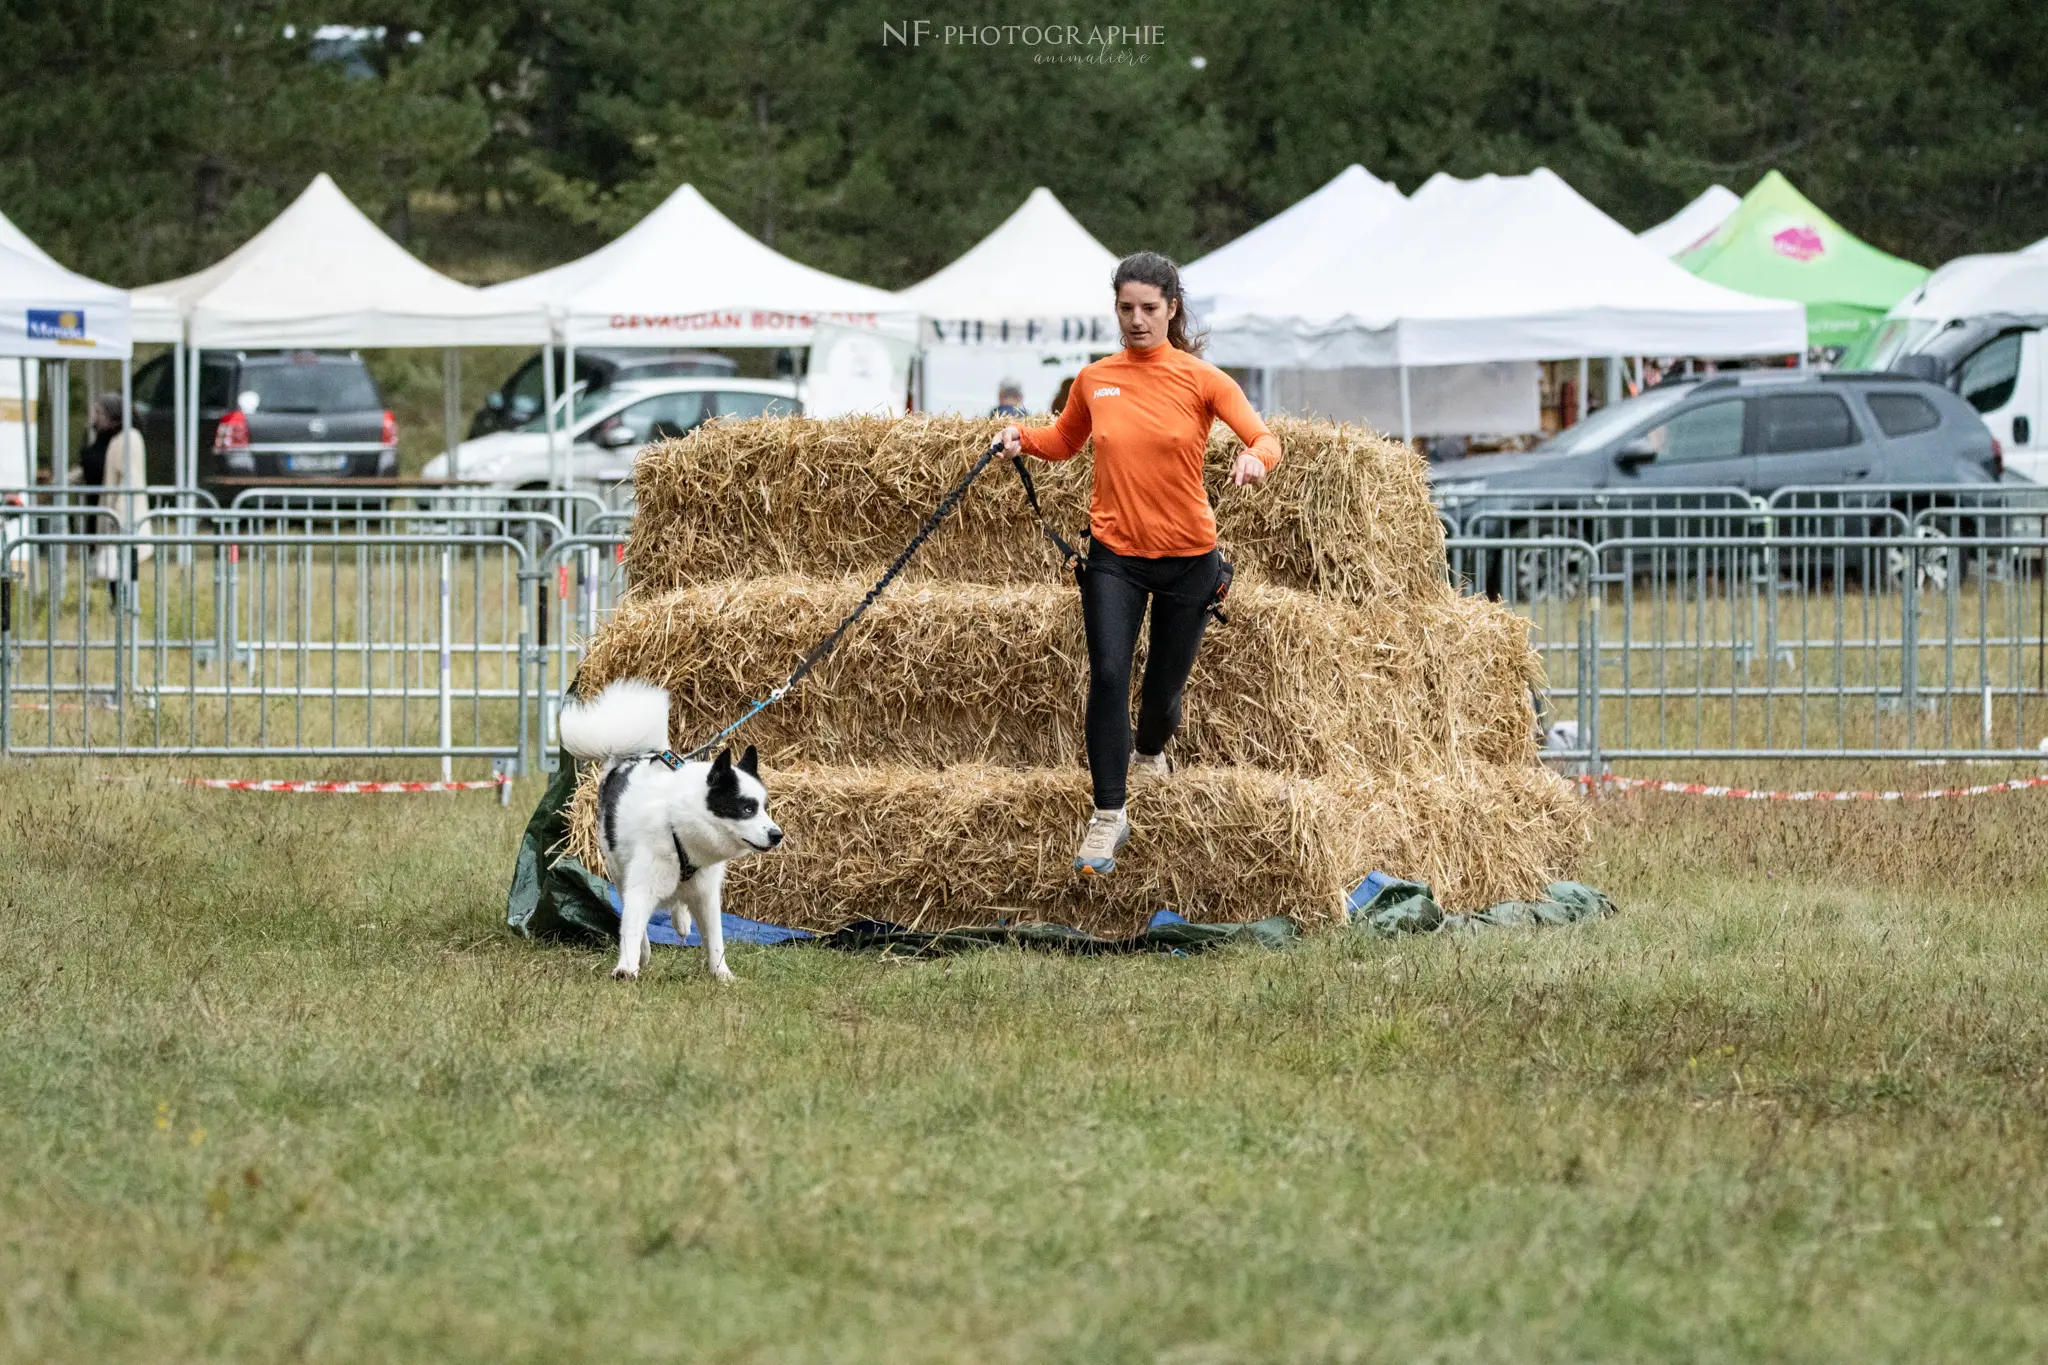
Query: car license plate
(316, 464)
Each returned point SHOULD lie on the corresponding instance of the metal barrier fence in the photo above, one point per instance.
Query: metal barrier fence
(1811, 646)
(581, 580)
(248, 643)
(1673, 623)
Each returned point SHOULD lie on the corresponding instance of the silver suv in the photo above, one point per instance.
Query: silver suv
(1757, 430)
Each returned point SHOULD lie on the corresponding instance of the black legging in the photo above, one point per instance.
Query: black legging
(1114, 591)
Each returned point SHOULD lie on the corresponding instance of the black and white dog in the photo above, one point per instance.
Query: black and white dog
(667, 828)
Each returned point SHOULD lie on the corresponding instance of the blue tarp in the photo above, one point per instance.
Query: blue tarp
(1382, 903)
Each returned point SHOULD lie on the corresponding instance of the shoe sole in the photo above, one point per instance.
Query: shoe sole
(1088, 870)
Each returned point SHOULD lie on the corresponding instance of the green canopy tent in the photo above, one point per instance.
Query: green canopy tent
(1777, 244)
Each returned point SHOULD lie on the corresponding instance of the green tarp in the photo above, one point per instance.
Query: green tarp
(1779, 245)
(562, 899)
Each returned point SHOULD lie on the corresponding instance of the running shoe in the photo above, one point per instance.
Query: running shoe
(1096, 857)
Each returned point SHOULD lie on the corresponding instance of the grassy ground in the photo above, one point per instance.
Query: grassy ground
(275, 1086)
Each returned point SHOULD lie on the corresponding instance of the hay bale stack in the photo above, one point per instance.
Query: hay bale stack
(947, 674)
(1356, 715)
(1347, 515)
(936, 850)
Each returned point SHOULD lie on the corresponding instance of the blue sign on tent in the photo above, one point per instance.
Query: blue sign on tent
(56, 324)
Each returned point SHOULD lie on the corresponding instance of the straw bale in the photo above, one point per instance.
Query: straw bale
(940, 674)
(936, 850)
(1346, 515)
(1478, 669)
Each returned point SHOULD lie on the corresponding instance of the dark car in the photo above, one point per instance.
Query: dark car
(1643, 467)
(272, 415)
(518, 400)
(1757, 430)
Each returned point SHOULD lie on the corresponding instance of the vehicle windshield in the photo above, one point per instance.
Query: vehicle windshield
(1897, 337)
(308, 386)
(589, 402)
(1609, 422)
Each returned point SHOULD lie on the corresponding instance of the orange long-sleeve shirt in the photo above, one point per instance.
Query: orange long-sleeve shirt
(1149, 413)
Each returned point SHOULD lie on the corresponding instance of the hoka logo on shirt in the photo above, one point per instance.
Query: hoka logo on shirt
(1107, 391)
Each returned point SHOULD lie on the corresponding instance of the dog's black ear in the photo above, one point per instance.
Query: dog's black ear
(721, 771)
(750, 763)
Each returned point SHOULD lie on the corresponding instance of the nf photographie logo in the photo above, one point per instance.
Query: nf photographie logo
(1106, 44)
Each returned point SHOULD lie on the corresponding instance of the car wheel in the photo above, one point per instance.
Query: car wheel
(1543, 572)
(1919, 569)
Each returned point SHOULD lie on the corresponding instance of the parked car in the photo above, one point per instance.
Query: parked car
(1757, 430)
(518, 400)
(272, 415)
(1998, 363)
(608, 427)
(1751, 433)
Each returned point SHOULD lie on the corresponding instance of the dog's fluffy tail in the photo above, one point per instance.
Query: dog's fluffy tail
(628, 717)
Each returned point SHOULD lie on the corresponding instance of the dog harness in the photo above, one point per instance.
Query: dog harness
(685, 867)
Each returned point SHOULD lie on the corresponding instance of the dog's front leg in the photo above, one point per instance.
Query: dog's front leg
(638, 908)
(703, 896)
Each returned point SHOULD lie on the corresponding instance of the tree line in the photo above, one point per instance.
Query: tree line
(141, 140)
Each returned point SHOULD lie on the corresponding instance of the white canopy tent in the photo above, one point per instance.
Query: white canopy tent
(1028, 302)
(1352, 203)
(1040, 275)
(48, 313)
(1692, 224)
(321, 275)
(1443, 398)
(688, 275)
(1501, 268)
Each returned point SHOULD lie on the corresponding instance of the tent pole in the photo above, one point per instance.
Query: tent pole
(60, 426)
(28, 432)
(192, 417)
(178, 412)
(1407, 417)
(547, 405)
(451, 383)
(192, 364)
(1585, 377)
(568, 417)
(1613, 366)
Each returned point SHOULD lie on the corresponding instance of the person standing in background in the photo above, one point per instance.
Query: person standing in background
(1009, 400)
(1059, 399)
(113, 460)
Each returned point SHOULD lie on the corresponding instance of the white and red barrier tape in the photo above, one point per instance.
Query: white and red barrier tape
(1650, 784)
(340, 788)
(251, 784)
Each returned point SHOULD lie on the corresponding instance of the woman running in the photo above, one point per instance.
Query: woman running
(1152, 533)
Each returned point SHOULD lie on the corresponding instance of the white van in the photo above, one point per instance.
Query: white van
(1998, 362)
(1975, 326)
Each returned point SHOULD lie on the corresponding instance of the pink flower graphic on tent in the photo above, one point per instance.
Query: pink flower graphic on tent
(1801, 243)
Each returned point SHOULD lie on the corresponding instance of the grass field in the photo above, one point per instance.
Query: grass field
(274, 1085)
